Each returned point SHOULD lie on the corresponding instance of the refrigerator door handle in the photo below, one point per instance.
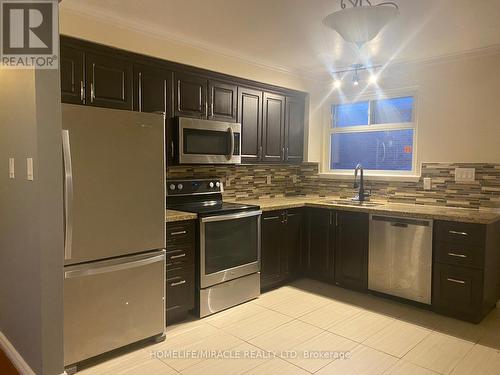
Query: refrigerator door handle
(68, 195)
(91, 269)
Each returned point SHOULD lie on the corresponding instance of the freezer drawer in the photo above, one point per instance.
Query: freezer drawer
(110, 304)
(400, 257)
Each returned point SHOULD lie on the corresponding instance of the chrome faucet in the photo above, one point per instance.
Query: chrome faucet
(361, 197)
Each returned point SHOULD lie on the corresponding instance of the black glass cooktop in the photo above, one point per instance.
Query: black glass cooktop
(213, 207)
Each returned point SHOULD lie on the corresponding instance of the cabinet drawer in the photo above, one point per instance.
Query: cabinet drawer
(458, 291)
(180, 256)
(180, 291)
(459, 254)
(460, 233)
(180, 233)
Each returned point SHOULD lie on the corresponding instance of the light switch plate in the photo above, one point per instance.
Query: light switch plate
(427, 183)
(29, 169)
(465, 174)
(12, 168)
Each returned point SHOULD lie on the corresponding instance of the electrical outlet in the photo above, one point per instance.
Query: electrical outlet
(269, 182)
(465, 174)
(29, 169)
(228, 181)
(427, 183)
(12, 168)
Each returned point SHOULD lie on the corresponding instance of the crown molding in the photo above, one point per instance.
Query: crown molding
(128, 24)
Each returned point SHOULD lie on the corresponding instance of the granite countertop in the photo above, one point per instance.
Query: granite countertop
(172, 215)
(479, 216)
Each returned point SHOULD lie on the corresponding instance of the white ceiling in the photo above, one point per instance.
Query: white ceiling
(289, 34)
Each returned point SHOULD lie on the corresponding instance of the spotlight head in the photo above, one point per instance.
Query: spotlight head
(373, 79)
(337, 83)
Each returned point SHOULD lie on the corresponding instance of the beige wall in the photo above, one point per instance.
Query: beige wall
(458, 108)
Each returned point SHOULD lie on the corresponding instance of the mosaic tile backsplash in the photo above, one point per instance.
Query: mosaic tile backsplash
(268, 181)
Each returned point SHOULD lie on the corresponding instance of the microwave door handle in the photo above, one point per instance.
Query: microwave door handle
(231, 143)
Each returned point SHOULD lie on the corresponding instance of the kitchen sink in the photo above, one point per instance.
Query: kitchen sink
(355, 203)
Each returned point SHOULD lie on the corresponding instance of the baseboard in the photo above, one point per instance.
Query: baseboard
(16, 358)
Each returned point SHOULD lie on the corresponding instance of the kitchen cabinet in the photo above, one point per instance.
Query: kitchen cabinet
(294, 130)
(280, 246)
(223, 101)
(351, 249)
(320, 243)
(272, 118)
(273, 123)
(72, 68)
(109, 81)
(466, 282)
(180, 278)
(250, 118)
(153, 93)
(190, 95)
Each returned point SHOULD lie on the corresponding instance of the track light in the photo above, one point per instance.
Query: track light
(337, 84)
(355, 78)
(373, 79)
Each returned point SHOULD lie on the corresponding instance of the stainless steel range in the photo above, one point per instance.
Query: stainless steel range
(228, 249)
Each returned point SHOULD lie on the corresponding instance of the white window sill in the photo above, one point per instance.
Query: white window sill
(372, 177)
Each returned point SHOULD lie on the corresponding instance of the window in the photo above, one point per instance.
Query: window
(379, 134)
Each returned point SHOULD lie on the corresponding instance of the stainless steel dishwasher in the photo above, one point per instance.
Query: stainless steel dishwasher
(400, 257)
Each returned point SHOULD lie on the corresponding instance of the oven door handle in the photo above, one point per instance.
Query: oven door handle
(239, 215)
(231, 143)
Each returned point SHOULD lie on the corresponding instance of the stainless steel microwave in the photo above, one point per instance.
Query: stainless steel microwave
(208, 142)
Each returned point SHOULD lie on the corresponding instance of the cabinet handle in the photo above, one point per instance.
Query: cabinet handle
(140, 92)
(459, 233)
(92, 92)
(456, 255)
(178, 233)
(287, 153)
(172, 151)
(82, 92)
(283, 153)
(455, 281)
(178, 283)
(260, 152)
(271, 217)
(331, 218)
(178, 256)
(336, 219)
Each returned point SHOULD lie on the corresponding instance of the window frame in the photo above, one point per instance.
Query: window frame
(412, 174)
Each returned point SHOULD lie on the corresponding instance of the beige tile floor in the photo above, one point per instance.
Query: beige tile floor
(309, 327)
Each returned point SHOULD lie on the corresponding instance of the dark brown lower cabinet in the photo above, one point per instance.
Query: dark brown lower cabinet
(281, 246)
(319, 254)
(180, 286)
(351, 249)
(466, 277)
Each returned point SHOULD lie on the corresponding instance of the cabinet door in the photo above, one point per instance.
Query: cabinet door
(351, 250)
(457, 291)
(319, 244)
(190, 95)
(271, 248)
(223, 101)
(293, 244)
(250, 118)
(294, 130)
(109, 82)
(153, 93)
(180, 293)
(72, 75)
(273, 124)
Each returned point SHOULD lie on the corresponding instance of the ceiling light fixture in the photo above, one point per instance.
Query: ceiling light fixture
(363, 21)
(337, 84)
(373, 79)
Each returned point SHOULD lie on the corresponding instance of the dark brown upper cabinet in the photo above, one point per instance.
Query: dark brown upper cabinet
(72, 75)
(109, 81)
(190, 95)
(294, 130)
(273, 147)
(153, 88)
(250, 118)
(222, 101)
(351, 249)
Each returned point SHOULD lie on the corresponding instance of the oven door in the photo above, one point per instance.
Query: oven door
(209, 142)
(229, 247)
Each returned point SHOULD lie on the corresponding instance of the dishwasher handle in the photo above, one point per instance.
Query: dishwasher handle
(401, 222)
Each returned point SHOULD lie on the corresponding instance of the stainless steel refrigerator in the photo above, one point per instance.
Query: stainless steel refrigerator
(114, 199)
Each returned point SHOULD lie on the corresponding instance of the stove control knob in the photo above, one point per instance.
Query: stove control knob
(180, 186)
(217, 184)
(172, 187)
(211, 184)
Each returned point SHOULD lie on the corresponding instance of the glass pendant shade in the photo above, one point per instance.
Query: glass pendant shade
(362, 23)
